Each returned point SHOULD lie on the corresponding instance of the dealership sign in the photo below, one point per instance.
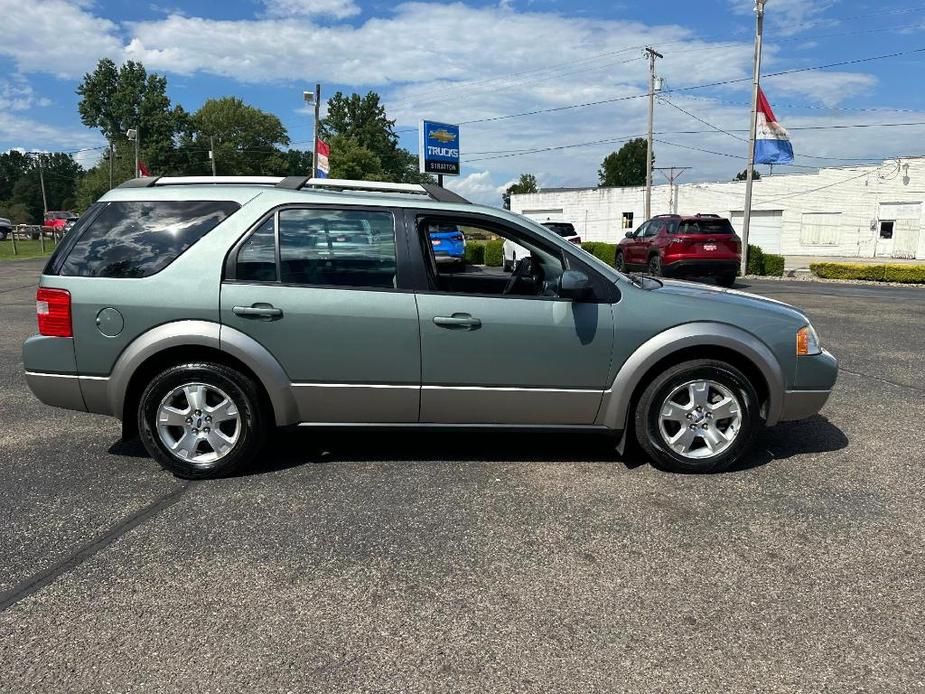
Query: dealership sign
(438, 145)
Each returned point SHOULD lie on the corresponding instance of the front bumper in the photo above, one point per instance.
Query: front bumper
(815, 378)
(800, 404)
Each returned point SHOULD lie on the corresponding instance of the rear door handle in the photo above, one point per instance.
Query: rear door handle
(263, 311)
(458, 321)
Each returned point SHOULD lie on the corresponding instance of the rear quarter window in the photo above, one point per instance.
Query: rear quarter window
(138, 239)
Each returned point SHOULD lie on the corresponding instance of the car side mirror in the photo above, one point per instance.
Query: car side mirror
(574, 285)
(628, 234)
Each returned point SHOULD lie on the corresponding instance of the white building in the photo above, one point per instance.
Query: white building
(856, 211)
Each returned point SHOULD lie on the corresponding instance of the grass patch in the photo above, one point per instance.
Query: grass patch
(908, 274)
(25, 248)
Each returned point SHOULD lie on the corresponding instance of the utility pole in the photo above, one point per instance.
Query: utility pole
(110, 164)
(652, 54)
(315, 130)
(212, 152)
(674, 173)
(132, 134)
(750, 171)
(44, 200)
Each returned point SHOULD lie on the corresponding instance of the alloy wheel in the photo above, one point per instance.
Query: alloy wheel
(199, 423)
(700, 419)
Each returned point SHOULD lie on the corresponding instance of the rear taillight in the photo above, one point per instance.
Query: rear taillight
(53, 310)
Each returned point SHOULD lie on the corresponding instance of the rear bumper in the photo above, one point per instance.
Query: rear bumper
(701, 266)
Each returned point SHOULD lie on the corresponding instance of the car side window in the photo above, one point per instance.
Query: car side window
(641, 231)
(654, 228)
(139, 239)
(256, 260)
(341, 248)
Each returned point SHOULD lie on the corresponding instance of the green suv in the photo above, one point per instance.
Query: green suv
(205, 311)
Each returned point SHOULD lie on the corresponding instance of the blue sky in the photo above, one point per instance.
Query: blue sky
(474, 61)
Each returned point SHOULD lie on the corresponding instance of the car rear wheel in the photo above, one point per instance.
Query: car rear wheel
(3, 234)
(202, 420)
(698, 416)
(727, 280)
(619, 263)
(655, 265)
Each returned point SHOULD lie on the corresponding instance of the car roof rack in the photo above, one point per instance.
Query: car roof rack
(432, 191)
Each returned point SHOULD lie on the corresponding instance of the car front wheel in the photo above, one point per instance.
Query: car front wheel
(698, 416)
(202, 420)
(619, 263)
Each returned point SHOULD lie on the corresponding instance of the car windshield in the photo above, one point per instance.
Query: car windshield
(706, 226)
(561, 228)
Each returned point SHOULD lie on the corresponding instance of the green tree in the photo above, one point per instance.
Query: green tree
(298, 162)
(13, 165)
(361, 124)
(96, 181)
(350, 159)
(61, 174)
(115, 99)
(526, 184)
(246, 138)
(626, 167)
(743, 175)
(17, 213)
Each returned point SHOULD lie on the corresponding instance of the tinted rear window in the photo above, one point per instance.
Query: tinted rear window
(561, 228)
(138, 239)
(706, 226)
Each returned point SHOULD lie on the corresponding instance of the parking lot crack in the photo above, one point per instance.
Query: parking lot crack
(882, 380)
(37, 581)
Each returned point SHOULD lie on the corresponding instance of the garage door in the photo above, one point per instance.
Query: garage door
(764, 230)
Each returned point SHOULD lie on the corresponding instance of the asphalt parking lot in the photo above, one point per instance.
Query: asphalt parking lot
(474, 562)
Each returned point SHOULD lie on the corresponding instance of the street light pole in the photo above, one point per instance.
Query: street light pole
(316, 130)
(750, 171)
(133, 135)
(652, 54)
(314, 98)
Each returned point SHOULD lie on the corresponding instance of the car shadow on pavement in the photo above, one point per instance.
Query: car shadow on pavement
(295, 447)
(788, 439)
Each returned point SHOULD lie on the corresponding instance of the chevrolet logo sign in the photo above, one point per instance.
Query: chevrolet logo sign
(443, 135)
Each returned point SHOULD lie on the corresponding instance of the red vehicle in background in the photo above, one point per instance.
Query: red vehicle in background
(57, 222)
(703, 245)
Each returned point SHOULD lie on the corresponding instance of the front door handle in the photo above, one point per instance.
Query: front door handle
(458, 321)
(262, 311)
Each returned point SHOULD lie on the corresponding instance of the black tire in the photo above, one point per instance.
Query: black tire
(649, 408)
(34, 235)
(655, 265)
(619, 263)
(3, 234)
(727, 280)
(241, 390)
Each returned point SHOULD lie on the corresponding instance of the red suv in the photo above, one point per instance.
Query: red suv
(57, 222)
(675, 245)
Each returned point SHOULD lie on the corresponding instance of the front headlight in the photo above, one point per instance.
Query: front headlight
(807, 341)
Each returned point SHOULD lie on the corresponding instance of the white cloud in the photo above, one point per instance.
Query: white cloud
(31, 135)
(338, 9)
(828, 88)
(54, 36)
(17, 95)
(790, 16)
(461, 63)
(478, 187)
